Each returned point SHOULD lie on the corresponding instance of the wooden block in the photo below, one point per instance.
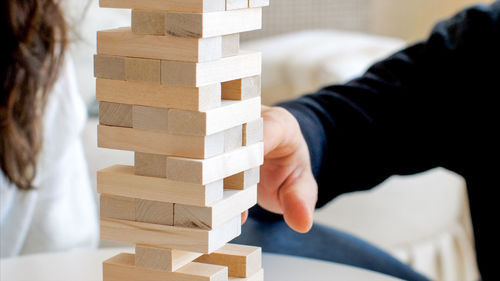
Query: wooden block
(258, 276)
(233, 138)
(242, 261)
(159, 142)
(123, 42)
(132, 209)
(253, 132)
(241, 89)
(215, 168)
(258, 3)
(154, 212)
(162, 259)
(190, 74)
(138, 69)
(115, 114)
(214, 24)
(189, 6)
(150, 118)
(229, 115)
(109, 67)
(230, 45)
(149, 94)
(243, 180)
(165, 236)
(122, 268)
(150, 165)
(150, 22)
(234, 203)
(120, 180)
(117, 207)
(236, 4)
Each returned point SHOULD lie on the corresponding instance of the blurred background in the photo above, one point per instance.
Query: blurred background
(424, 219)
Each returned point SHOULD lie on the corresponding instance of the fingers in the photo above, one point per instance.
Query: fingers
(244, 217)
(298, 196)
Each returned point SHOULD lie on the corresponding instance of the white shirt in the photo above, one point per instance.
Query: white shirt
(61, 213)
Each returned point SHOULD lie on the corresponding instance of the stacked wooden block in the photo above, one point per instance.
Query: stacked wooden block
(176, 89)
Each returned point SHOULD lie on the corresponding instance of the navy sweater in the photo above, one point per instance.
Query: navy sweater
(432, 104)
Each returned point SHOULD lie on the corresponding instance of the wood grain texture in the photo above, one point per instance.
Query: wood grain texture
(109, 67)
(150, 165)
(258, 276)
(120, 180)
(164, 236)
(191, 74)
(150, 118)
(150, 22)
(215, 168)
(162, 259)
(123, 42)
(204, 25)
(133, 209)
(115, 114)
(243, 180)
(242, 89)
(230, 45)
(229, 115)
(122, 268)
(159, 142)
(234, 202)
(253, 132)
(139, 69)
(190, 6)
(242, 261)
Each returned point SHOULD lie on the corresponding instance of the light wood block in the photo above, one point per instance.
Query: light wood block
(117, 207)
(139, 69)
(253, 132)
(215, 168)
(162, 259)
(190, 74)
(150, 22)
(154, 212)
(150, 118)
(214, 24)
(236, 4)
(190, 6)
(123, 42)
(122, 268)
(258, 3)
(149, 94)
(115, 114)
(242, 261)
(229, 115)
(242, 89)
(109, 67)
(120, 180)
(150, 165)
(164, 236)
(234, 203)
(258, 276)
(243, 180)
(230, 45)
(133, 209)
(159, 142)
(233, 138)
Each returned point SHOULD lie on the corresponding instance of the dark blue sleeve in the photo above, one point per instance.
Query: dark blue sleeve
(408, 113)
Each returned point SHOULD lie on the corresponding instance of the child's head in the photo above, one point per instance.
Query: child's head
(34, 41)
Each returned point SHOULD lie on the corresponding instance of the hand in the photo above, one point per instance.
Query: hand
(287, 185)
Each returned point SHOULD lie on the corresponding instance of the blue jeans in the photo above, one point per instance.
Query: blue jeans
(323, 243)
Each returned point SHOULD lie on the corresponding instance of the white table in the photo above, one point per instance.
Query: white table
(86, 266)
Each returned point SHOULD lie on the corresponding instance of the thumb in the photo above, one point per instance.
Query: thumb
(298, 196)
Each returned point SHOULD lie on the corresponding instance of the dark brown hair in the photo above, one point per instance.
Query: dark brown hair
(34, 39)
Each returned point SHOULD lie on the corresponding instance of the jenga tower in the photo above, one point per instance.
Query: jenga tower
(176, 89)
